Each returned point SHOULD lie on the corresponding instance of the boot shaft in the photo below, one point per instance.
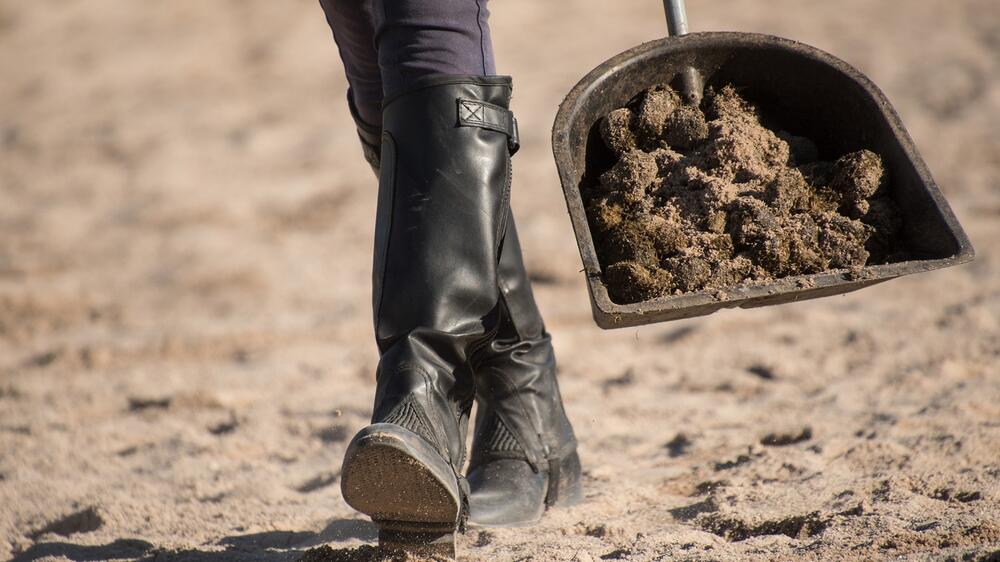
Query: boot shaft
(442, 205)
(443, 197)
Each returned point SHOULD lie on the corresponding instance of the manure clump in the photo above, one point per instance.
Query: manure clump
(707, 197)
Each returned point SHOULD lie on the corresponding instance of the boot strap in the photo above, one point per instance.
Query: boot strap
(475, 113)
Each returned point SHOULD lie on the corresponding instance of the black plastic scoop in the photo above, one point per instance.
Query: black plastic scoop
(804, 90)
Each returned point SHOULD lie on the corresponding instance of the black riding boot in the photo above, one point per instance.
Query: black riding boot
(442, 208)
(515, 382)
(524, 452)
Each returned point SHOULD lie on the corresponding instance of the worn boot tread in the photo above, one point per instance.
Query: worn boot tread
(392, 475)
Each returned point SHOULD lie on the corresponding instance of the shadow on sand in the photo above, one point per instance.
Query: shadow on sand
(270, 546)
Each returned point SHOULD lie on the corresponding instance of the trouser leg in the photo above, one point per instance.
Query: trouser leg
(386, 45)
(354, 32)
(445, 143)
(415, 38)
(524, 451)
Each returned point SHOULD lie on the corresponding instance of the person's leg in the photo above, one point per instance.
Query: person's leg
(354, 32)
(401, 42)
(442, 206)
(417, 38)
(524, 451)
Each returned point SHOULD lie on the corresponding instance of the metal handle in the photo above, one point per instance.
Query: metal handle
(677, 21)
(691, 85)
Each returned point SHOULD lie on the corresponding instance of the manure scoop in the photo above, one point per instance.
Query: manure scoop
(807, 92)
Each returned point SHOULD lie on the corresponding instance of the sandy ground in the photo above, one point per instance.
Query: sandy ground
(185, 333)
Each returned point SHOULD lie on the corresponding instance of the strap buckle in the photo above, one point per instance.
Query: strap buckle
(475, 113)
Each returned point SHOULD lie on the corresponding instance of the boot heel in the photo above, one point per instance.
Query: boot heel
(420, 541)
(565, 489)
(392, 474)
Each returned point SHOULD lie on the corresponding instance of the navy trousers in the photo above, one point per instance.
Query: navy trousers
(387, 44)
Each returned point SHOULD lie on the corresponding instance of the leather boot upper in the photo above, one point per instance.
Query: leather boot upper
(442, 207)
(521, 413)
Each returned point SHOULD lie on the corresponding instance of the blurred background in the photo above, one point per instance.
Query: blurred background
(185, 324)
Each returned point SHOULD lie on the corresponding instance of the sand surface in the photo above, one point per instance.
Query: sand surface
(185, 326)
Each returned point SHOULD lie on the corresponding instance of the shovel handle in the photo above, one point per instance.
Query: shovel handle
(691, 84)
(677, 23)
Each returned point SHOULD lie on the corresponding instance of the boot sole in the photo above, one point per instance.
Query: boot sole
(395, 477)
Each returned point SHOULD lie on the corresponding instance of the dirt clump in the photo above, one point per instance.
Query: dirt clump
(707, 197)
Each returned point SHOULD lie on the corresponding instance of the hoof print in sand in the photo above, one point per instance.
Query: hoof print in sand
(762, 371)
(678, 446)
(785, 439)
(738, 461)
(692, 511)
(617, 554)
(947, 494)
(223, 428)
(83, 521)
(735, 529)
(708, 487)
(139, 404)
(42, 360)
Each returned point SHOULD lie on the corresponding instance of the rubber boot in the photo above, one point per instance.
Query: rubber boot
(442, 206)
(524, 455)
(513, 479)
